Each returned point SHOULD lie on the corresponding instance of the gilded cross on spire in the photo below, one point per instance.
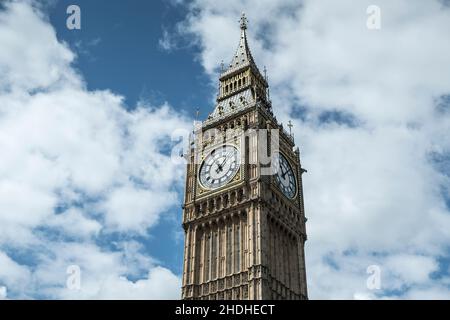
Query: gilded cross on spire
(243, 21)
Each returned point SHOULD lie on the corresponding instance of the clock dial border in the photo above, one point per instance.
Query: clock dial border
(276, 183)
(231, 179)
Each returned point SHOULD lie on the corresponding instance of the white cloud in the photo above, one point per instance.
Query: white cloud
(373, 193)
(166, 42)
(74, 224)
(411, 269)
(12, 274)
(160, 284)
(104, 275)
(435, 293)
(39, 66)
(3, 292)
(131, 208)
(76, 167)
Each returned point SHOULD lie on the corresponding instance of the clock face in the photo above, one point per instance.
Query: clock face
(219, 167)
(284, 176)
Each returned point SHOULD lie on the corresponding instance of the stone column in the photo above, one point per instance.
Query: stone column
(274, 260)
(251, 251)
(264, 252)
(233, 228)
(297, 268)
(286, 260)
(202, 257)
(219, 249)
(244, 243)
(186, 257)
(225, 251)
(210, 243)
(301, 257)
(194, 256)
(279, 255)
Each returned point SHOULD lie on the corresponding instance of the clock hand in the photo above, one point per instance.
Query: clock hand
(283, 173)
(215, 161)
(220, 166)
(227, 156)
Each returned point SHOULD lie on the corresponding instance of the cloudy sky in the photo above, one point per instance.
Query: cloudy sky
(87, 122)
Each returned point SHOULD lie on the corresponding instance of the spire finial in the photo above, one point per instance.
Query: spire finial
(197, 112)
(290, 125)
(243, 21)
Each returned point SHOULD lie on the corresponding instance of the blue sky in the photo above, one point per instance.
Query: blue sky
(118, 49)
(94, 111)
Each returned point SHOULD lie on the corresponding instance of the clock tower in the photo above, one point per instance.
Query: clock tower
(243, 212)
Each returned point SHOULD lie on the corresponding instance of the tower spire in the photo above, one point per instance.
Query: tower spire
(241, 84)
(243, 56)
(243, 21)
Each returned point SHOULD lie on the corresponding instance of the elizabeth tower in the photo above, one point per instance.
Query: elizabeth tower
(243, 216)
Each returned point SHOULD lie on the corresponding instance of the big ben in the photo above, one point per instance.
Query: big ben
(243, 212)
